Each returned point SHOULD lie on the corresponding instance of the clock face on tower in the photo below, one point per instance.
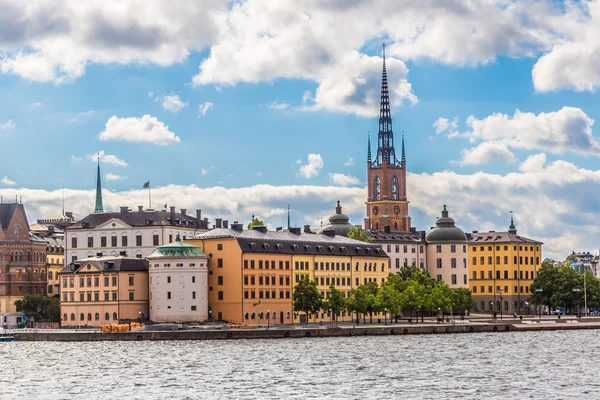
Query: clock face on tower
(396, 210)
(375, 210)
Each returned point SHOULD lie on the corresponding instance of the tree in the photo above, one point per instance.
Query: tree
(336, 301)
(412, 299)
(356, 232)
(388, 298)
(307, 298)
(361, 301)
(462, 300)
(438, 297)
(39, 307)
(255, 222)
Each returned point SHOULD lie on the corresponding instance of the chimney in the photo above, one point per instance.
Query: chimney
(295, 231)
(413, 229)
(172, 215)
(183, 211)
(199, 218)
(329, 232)
(278, 229)
(225, 224)
(237, 226)
(387, 229)
(124, 209)
(140, 208)
(260, 228)
(218, 222)
(69, 214)
(475, 231)
(307, 229)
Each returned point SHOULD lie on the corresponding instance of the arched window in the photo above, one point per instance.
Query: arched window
(97, 317)
(394, 188)
(115, 316)
(107, 316)
(72, 317)
(377, 189)
(395, 226)
(17, 232)
(81, 317)
(65, 317)
(89, 316)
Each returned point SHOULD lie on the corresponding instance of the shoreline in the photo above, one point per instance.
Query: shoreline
(282, 332)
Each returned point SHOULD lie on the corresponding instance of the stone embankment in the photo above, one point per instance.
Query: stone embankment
(309, 332)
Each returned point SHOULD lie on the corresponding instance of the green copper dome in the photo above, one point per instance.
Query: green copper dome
(177, 249)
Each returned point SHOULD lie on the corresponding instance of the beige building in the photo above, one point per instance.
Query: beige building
(447, 252)
(104, 290)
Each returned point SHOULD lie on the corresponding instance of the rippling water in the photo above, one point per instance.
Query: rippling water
(536, 365)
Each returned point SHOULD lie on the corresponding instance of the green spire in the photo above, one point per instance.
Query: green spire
(99, 207)
(511, 227)
(403, 153)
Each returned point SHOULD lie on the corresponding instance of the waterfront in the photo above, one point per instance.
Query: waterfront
(549, 365)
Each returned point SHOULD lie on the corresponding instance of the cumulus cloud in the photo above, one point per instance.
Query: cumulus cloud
(533, 163)
(106, 159)
(75, 158)
(203, 108)
(312, 169)
(112, 177)
(146, 129)
(8, 182)
(487, 152)
(8, 125)
(442, 125)
(274, 105)
(343, 180)
(173, 103)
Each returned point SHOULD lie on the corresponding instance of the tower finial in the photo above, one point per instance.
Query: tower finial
(511, 227)
(385, 139)
(289, 224)
(403, 153)
(369, 148)
(99, 207)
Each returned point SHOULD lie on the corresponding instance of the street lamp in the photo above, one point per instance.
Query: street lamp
(385, 315)
(541, 305)
(140, 316)
(500, 293)
(492, 308)
(330, 317)
(268, 319)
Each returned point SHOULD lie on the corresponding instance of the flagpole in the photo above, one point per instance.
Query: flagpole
(149, 197)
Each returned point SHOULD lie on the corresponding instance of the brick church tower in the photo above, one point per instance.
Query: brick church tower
(386, 200)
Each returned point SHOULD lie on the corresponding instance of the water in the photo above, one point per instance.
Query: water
(535, 365)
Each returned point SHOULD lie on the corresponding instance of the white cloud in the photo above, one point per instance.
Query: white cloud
(173, 103)
(8, 125)
(147, 129)
(75, 158)
(533, 163)
(83, 115)
(56, 40)
(312, 169)
(487, 152)
(306, 97)
(112, 177)
(349, 162)
(8, 182)
(343, 180)
(106, 159)
(277, 106)
(442, 125)
(203, 108)
(205, 171)
(36, 105)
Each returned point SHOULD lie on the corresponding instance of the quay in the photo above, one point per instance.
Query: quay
(311, 331)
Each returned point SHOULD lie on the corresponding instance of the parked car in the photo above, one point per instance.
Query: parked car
(558, 311)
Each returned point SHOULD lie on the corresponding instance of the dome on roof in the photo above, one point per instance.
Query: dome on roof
(445, 230)
(338, 222)
(177, 249)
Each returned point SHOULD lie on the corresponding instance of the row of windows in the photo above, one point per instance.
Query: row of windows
(266, 280)
(89, 317)
(265, 294)
(516, 275)
(518, 289)
(96, 296)
(95, 280)
(438, 248)
(114, 239)
(413, 249)
(20, 256)
(527, 248)
(520, 259)
(181, 295)
(438, 263)
(453, 279)
(266, 264)
(181, 279)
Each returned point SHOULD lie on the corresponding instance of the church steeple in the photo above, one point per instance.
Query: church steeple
(369, 148)
(403, 153)
(99, 207)
(512, 228)
(385, 139)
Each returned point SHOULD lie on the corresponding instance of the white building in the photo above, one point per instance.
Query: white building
(405, 249)
(178, 279)
(128, 233)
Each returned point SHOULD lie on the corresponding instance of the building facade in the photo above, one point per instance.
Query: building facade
(447, 252)
(178, 278)
(252, 273)
(22, 258)
(128, 233)
(387, 204)
(405, 249)
(502, 267)
(104, 290)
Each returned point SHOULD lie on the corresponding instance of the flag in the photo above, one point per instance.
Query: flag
(147, 185)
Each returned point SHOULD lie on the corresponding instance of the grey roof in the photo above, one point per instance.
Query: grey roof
(499, 237)
(396, 236)
(177, 249)
(253, 241)
(7, 210)
(137, 218)
(338, 222)
(445, 231)
(109, 263)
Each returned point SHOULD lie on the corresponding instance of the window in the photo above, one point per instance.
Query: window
(115, 316)
(394, 188)
(474, 275)
(124, 241)
(219, 280)
(96, 296)
(220, 295)
(497, 274)
(103, 241)
(131, 281)
(465, 279)
(377, 189)
(438, 248)
(106, 296)
(439, 277)
(168, 295)
(81, 296)
(497, 259)
(474, 289)
(219, 246)
(131, 295)
(389, 248)
(89, 297)
(114, 281)
(74, 244)
(96, 281)
(505, 260)
(113, 241)
(220, 263)
(490, 260)
(405, 249)
(90, 241)
(506, 275)
(454, 279)
(453, 263)
(138, 240)
(155, 240)
(482, 260)
(106, 281)
(89, 316)
(474, 260)
(439, 262)
(194, 295)
(397, 263)
(452, 248)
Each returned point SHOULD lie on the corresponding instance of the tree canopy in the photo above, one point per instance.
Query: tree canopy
(255, 222)
(39, 307)
(356, 232)
(307, 298)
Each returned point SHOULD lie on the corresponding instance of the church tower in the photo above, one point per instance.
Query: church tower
(99, 208)
(387, 204)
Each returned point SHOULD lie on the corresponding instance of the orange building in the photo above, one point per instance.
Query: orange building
(252, 273)
(104, 290)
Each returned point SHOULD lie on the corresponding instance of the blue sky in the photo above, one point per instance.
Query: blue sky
(221, 105)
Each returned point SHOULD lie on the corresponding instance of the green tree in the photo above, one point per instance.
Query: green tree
(462, 300)
(307, 298)
(361, 301)
(336, 301)
(255, 222)
(389, 298)
(39, 307)
(438, 297)
(413, 298)
(356, 232)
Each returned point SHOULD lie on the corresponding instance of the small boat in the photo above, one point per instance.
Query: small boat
(6, 338)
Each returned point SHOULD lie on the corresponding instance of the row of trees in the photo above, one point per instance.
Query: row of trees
(411, 292)
(558, 286)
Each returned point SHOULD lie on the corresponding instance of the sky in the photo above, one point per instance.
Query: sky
(243, 107)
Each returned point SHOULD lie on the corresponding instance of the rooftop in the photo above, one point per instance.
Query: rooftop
(499, 237)
(108, 263)
(140, 218)
(177, 249)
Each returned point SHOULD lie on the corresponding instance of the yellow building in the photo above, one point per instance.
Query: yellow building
(104, 290)
(55, 259)
(502, 267)
(252, 273)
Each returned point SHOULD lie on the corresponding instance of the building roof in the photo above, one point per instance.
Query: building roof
(139, 218)
(499, 237)
(177, 249)
(262, 241)
(7, 210)
(109, 263)
(445, 230)
(396, 236)
(338, 222)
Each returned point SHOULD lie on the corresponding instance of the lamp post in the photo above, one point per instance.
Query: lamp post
(209, 315)
(385, 316)
(268, 319)
(576, 290)
(140, 316)
(492, 308)
(500, 293)
(330, 317)
(541, 305)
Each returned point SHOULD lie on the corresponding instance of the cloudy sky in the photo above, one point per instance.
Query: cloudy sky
(242, 107)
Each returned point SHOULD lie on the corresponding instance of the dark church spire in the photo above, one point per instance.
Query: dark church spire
(403, 153)
(369, 148)
(385, 138)
(99, 207)
(512, 228)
